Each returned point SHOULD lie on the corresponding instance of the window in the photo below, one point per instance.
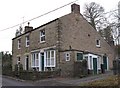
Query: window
(35, 60)
(42, 36)
(98, 43)
(27, 41)
(50, 58)
(19, 43)
(90, 62)
(67, 56)
(18, 60)
(86, 58)
(79, 56)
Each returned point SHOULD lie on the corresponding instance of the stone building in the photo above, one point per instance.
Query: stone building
(57, 44)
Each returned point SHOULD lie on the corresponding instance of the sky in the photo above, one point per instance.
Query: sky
(13, 12)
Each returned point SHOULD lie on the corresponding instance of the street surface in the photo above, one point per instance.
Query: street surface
(6, 81)
(9, 81)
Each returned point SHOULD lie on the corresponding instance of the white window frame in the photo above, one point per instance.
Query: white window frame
(19, 43)
(67, 56)
(98, 43)
(91, 62)
(18, 60)
(51, 59)
(42, 35)
(27, 40)
(35, 60)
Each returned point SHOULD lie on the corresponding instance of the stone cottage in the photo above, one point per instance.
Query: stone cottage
(61, 42)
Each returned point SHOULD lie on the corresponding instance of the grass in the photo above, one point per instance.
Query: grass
(110, 81)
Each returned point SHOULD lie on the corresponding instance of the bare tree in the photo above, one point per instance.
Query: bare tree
(94, 14)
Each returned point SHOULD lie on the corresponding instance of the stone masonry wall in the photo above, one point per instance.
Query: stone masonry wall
(51, 37)
(78, 34)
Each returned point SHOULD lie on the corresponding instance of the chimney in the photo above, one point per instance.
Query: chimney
(28, 28)
(75, 8)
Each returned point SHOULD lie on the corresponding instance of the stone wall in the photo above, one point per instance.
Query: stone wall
(78, 34)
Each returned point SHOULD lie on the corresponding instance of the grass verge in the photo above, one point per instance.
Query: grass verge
(110, 81)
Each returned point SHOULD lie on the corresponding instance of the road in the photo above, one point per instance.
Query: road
(7, 81)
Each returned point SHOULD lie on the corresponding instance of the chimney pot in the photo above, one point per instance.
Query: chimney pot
(75, 8)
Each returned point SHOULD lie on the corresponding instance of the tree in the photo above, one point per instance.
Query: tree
(94, 15)
(108, 35)
(6, 63)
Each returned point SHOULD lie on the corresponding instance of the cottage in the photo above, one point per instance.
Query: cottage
(58, 44)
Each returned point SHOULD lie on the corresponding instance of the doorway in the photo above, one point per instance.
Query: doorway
(27, 63)
(42, 61)
(95, 65)
(105, 62)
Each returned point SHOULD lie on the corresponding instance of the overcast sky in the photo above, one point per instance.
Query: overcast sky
(13, 12)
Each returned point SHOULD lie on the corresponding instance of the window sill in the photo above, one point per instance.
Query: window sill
(79, 60)
(98, 46)
(27, 46)
(67, 60)
(42, 42)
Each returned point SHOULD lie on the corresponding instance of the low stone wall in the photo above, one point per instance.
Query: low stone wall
(35, 75)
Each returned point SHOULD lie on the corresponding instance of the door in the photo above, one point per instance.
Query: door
(27, 63)
(95, 65)
(42, 61)
(105, 62)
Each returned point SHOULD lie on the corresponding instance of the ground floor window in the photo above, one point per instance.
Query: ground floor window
(67, 56)
(90, 62)
(18, 60)
(50, 58)
(35, 60)
(79, 56)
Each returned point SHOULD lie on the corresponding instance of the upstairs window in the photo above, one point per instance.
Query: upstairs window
(42, 36)
(98, 43)
(19, 43)
(27, 41)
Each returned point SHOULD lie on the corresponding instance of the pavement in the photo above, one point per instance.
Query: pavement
(9, 81)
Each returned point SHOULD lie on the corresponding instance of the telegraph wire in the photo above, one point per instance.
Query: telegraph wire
(48, 13)
(39, 16)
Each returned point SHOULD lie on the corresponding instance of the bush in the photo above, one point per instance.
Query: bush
(7, 70)
(80, 68)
